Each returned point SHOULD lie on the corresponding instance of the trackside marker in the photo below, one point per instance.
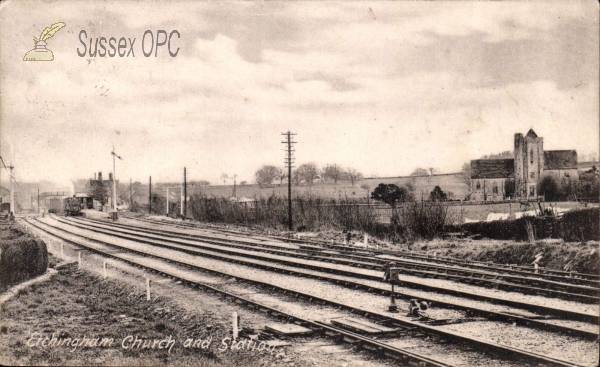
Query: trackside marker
(147, 289)
(234, 317)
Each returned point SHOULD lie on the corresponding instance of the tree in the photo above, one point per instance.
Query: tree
(265, 175)
(390, 194)
(437, 194)
(124, 192)
(99, 191)
(588, 185)
(509, 188)
(224, 177)
(281, 175)
(159, 204)
(203, 183)
(353, 175)
(549, 188)
(333, 172)
(465, 173)
(308, 172)
(419, 172)
(502, 155)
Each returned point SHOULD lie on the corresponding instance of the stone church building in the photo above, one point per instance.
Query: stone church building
(490, 178)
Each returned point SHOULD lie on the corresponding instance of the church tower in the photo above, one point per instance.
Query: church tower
(529, 163)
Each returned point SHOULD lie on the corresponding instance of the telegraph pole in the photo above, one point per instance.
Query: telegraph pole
(12, 190)
(114, 183)
(184, 192)
(38, 201)
(289, 160)
(150, 197)
(130, 198)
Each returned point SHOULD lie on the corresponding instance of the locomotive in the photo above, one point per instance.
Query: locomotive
(72, 207)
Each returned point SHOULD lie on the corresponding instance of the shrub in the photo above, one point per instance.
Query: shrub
(21, 259)
(423, 219)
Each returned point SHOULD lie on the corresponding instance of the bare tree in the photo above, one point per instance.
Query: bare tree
(353, 175)
(123, 191)
(308, 172)
(266, 175)
(465, 173)
(419, 172)
(224, 177)
(281, 175)
(333, 172)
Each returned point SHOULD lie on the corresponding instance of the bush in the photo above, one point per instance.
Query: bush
(423, 219)
(581, 225)
(21, 259)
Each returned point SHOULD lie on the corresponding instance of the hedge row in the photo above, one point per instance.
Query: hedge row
(573, 226)
(21, 259)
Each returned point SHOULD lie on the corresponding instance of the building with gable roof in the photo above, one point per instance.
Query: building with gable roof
(491, 178)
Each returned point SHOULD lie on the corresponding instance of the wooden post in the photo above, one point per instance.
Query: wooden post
(234, 320)
(62, 250)
(79, 259)
(104, 268)
(147, 289)
(366, 240)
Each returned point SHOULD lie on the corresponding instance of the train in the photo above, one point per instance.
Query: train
(70, 206)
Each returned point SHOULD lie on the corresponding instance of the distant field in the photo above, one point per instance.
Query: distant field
(450, 183)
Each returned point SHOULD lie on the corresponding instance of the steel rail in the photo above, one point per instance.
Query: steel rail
(558, 275)
(499, 350)
(534, 308)
(506, 282)
(523, 321)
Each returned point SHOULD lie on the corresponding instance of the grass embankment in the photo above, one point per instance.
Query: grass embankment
(576, 257)
(74, 304)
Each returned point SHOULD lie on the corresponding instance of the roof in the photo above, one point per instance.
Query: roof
(493, 168)
(81, 195)
(560, 159)
(531, 134)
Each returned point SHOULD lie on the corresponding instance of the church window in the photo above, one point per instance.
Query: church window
(531, 156)
(478, 186)
(531, 190)
(495, 187)
(532, 174)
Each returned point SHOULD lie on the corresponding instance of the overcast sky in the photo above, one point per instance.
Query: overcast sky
(383, 87)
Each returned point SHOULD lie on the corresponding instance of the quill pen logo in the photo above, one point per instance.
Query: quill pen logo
(40, 52)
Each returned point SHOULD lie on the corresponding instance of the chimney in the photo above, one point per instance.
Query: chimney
(110, 176)
(94, 176)
(100, 176)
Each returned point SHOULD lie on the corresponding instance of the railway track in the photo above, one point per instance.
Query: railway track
(505, 282)
(225, 255)
(592, 280)
(376, 346)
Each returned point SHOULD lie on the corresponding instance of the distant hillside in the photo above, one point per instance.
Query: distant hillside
(449, 183)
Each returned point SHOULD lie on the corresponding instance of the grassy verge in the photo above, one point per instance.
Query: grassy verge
(77, 305)
(577, 257)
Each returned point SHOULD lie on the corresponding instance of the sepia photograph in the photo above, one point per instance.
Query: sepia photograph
(299, 184)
